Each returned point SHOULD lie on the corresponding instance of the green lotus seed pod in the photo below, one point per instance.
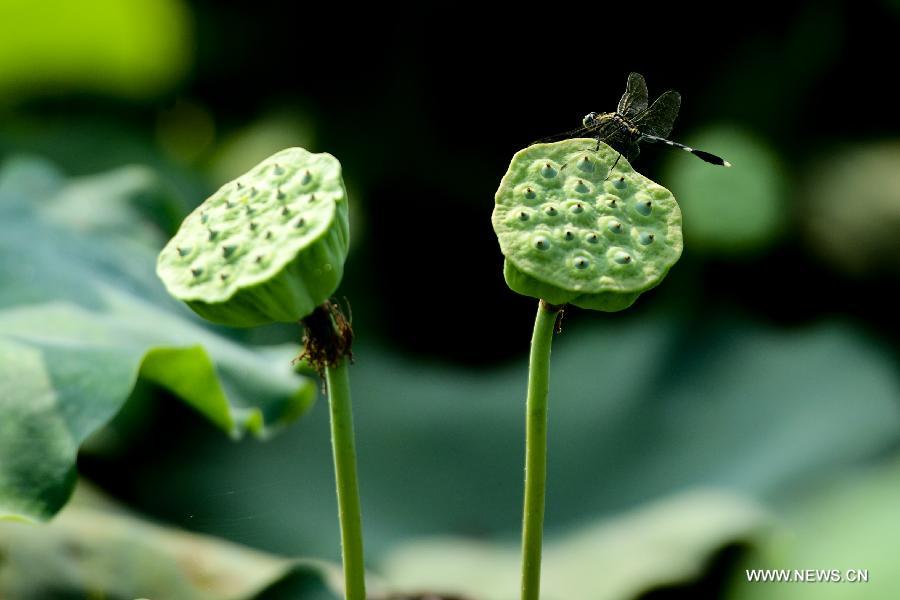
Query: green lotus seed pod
(575, 232)
(267, 247)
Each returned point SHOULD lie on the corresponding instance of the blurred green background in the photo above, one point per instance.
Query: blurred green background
(745, 414)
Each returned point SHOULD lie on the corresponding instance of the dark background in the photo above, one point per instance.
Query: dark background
(425, 107)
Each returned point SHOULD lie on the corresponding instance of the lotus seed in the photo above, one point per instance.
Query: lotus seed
(307, 177)
(551, 211)
(619, 183)
(300, 222)
(541, 243)
(581, 263)
(581, 188)
(278, 170)
(183, 251)
(253, 226)
(569, 235)
(593, 238)
(548, 171)
(622, 258)
(523, 216)
(228, 250)
(253, 191)
(585, 165)
(644, 207)
(615, 227)
(239, 185)
(647, 238)
(285, 211)
(577, 208)
(611, 203)
(223, 276)
(259, 258)
(279, 194)
(268, 235)
(196, 271)
(213, 234)
(529, 193)
(204, 218)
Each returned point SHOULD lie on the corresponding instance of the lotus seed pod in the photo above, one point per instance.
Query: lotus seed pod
(573, 231)
(267, 247)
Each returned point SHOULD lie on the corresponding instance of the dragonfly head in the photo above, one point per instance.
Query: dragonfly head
(589, 119)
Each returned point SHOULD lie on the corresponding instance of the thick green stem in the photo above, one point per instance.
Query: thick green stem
(349, 512)
(536, 450)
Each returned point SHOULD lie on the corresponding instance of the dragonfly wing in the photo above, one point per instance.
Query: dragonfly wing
(565, 135)
(659, 118)
(634, 100)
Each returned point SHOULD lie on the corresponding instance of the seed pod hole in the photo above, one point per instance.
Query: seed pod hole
(647, 238)
(645, 207)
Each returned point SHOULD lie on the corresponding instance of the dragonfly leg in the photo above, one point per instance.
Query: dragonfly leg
(612, 168)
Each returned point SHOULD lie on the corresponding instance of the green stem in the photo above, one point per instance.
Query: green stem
(349, 512)
(536, 450)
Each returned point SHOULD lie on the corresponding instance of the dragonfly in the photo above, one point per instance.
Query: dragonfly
(634, 123)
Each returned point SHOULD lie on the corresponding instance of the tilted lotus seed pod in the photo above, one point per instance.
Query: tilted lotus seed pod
(267, 247)
(574, 232)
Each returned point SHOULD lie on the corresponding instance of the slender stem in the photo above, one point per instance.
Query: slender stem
(536, 450)
(349, 512)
